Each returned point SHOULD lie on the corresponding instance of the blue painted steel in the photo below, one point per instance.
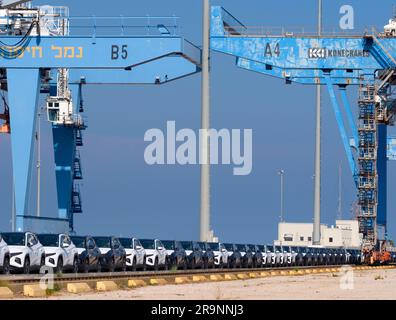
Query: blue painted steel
(303, 76)
(382, 175)
(298, 52)
(347, 107)
(165, 69)
(122, 59)
(64, 151)
(23, 94)
(340, 122)
(103, 53)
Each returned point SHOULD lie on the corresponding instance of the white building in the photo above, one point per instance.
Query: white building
(344, 233)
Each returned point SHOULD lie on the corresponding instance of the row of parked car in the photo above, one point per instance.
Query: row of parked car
(26, 252)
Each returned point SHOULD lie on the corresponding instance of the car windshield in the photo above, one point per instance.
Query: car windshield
(229, 246)
(241, 247)
(261, 248)
(270, 248)
(147, 243)
(303, 249)
(202, 245)
(286, 249)
(79, 242)
(168, 244)
(187, 245)
(49, 240)
(278, 248)
(126, 242)
(103, 242)
(14, 239)
(213, 245)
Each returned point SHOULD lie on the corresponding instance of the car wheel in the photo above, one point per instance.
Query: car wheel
(99, 266)
(144, 267)
(26, 266)
(6, 265)
(156, 267)
(112, 266)
(42, 262)
(59, 265)
(75, 265)
(134, 264)
(85, 266)
(124, 266)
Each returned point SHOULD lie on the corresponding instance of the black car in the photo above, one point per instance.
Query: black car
(195, 255)
(208, 255)
(234, 255)
(331, 257)
(247, 255)
(308, 258)
(298, 256)
(88, 252)
(177, 257)
(257, 255)
(113, 253)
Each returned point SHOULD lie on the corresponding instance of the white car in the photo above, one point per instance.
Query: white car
(288, 255)
(60, 252)
(26, 252)
(220, 254)
(280, 256)
(156, 256)
(390, 28)
(4, 257)
(135, 253)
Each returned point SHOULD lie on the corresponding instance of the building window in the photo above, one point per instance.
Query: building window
(301, 238)
(288, 237)
(330, 239)
(309, 238)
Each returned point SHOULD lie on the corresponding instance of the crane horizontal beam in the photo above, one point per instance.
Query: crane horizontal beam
(343, 53)
(94, 53)
(306, 76)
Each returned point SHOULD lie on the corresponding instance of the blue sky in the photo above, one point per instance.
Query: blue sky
(124, 196)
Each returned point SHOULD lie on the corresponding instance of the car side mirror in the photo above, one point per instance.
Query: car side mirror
(138, 247)
(223, 250)
(160, 248)
(30, 244)
(65, 245)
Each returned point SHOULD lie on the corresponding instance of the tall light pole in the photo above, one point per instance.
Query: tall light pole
(316, 226)
(205, 123)
(339, 192)
(38, 213)
(281, 173)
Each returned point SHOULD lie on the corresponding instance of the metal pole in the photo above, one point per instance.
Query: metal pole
(205, 123)
(13, 220)
(316, 226)
(339, 192)
(281, 173)
(38, 165)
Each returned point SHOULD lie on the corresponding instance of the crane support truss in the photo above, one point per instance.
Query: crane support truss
(366, 61)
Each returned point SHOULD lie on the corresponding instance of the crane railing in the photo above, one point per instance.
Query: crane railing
(124, 25)
(289, 31)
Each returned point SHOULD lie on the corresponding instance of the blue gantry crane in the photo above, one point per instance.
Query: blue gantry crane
(335, 61)
(44, 50)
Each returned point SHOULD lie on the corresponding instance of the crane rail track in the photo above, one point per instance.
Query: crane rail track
(15, 280)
